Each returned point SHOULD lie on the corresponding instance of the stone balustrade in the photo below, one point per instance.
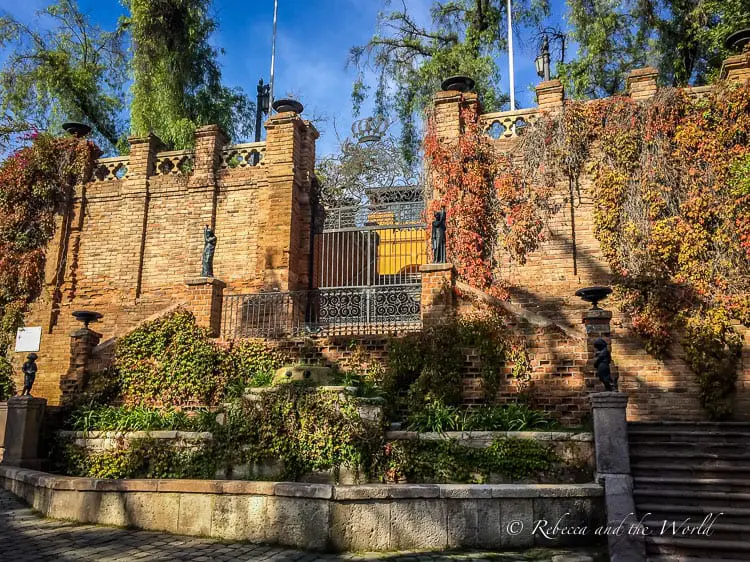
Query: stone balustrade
(508, 124)
(243, 155)
(108, 169)
(175, 162)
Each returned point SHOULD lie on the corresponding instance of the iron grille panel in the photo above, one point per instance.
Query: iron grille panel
(324, 312)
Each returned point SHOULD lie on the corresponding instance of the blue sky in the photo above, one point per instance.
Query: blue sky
(314, 38)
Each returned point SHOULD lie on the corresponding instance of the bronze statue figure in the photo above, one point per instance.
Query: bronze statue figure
(29, 374)
(208, 252)
(438, 237)
(602, 360)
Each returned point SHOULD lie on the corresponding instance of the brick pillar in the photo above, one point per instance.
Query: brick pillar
(449, 119)
(437, 293)
(202, 195)
(613, 471)
(284, 201)
(737, 67)
(82, 343)
(550, 95)
(641, 83)
(205, 295)
(21, 420)
(134, 215)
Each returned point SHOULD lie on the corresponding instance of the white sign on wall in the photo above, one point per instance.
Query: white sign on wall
(28, 339)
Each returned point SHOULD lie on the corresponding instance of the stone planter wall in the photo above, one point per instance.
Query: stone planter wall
(319, 516)
(575, 449)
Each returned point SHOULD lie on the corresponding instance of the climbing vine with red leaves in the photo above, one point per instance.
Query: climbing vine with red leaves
(490, 209)
(671, 196)
(34, 181)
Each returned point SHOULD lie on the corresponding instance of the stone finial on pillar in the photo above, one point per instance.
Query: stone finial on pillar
(82, 344)
(21, 420)
(437, 293)
(205, 296)
(641, 83)
(550, 95)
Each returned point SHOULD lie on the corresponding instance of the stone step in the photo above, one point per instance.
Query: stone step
(680, 436)
(696, 497)
(692, 484)
(641, 448)
(690, 426)
(703, 547)
(718, 530)
(709, 469)
(687, 558)
(679, 510)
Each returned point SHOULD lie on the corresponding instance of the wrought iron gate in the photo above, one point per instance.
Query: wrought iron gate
(366, 263)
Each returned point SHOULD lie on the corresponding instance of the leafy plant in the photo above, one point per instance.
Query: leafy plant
(434, 416)
(511, 417)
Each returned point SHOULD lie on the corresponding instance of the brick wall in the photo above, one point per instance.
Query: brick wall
(130, 247)
(570, 259)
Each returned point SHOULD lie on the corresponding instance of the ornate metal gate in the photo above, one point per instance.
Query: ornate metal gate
(367, 259)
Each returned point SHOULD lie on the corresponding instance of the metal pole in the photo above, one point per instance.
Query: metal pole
(510, 61)
(273, 54)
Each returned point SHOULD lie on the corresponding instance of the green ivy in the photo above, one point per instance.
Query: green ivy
(431, 362)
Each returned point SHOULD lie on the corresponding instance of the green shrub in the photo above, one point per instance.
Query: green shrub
(251, 363)
(7, 386)
(434, 416)
(447, 461)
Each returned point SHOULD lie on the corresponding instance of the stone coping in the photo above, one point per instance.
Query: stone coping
(303, 490)
(491, 435)
(150, 434)
(394, 435)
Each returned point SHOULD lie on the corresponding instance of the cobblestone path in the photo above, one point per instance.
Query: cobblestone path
(27, 537)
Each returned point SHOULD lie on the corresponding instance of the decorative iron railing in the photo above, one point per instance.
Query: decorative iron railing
(507, 124)
(326, 312)
(107, 169)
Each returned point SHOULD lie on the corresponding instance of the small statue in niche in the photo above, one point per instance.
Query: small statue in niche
(29, 374)
(438, 237)
(208, 252)
(602, 360)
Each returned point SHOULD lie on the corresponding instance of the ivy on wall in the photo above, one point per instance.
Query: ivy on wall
(172, 361)
(34, 182)
(671, 196)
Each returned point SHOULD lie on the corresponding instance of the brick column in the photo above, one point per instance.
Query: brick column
(21, 420)
(449, 120)
(205, 295)
(134, 214)
(550, 95)
(284, 203)
(613, 471)
(82, 343)
(641, 83)
(437, 293)
(202, 195)
(737, 67)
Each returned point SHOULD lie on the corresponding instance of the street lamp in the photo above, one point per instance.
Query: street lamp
(261, 106)
(542, 61)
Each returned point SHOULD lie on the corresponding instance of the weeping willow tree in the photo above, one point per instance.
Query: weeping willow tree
(176, 76)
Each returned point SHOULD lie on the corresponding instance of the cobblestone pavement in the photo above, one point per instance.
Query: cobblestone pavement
(27, 537)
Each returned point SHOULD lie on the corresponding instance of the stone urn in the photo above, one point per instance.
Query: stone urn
(284, 105)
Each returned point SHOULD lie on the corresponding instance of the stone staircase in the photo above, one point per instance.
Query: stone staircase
(695, 471)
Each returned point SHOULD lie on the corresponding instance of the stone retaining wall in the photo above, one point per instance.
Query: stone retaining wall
(376, 517)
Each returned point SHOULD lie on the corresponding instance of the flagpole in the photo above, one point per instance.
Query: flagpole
(273, 55)
(510, 60)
